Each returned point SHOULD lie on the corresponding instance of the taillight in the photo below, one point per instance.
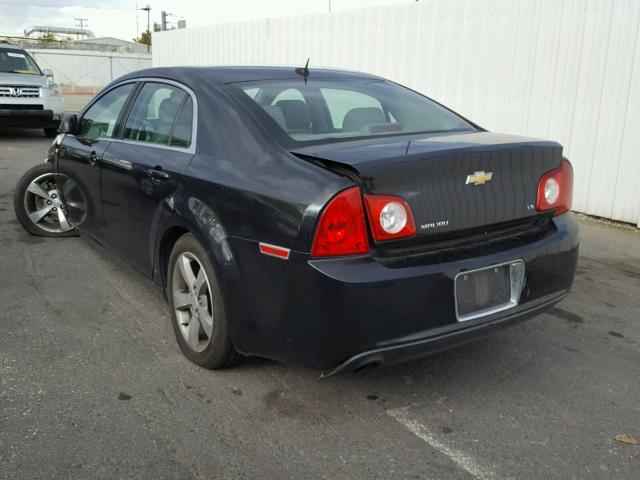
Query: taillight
(390, 217)
(342, 229)
(555, 190)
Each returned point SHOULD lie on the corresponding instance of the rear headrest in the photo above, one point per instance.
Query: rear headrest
(356, 118)
(296, 114)
(275, 113)
(167, 110)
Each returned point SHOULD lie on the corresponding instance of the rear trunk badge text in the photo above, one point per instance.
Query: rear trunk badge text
(431, 225)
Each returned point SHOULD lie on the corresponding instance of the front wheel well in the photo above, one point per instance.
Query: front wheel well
(169, 239)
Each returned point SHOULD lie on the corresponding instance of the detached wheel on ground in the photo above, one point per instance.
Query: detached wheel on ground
(38, 204)
(199, 318)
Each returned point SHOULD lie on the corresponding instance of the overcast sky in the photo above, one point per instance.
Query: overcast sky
(117, 18)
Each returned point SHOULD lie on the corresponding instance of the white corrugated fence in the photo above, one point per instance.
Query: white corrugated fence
(565, 70)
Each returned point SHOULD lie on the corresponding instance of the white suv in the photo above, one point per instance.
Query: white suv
(28, 96)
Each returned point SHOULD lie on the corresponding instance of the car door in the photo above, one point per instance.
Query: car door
(79, 154)
(143, 167)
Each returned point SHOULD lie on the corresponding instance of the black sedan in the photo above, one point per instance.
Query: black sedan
(329, 218)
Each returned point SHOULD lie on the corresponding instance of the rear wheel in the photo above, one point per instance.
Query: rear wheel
(199, 319)
(38, 204)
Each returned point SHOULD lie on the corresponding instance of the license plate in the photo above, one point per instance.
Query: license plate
(488, 290)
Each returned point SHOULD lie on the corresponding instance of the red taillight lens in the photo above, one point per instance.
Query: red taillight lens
(342, 229)
(555, 190)
(390, 217)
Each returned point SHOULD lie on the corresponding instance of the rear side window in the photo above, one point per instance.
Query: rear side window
(154, 114)
(101, 117)
(182, 131)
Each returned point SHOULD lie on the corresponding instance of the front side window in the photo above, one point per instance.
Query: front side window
(154, 114)
(323, 111)
(16, 61)
(99, 121)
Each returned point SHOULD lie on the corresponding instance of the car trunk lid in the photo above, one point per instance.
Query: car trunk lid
(455, 182)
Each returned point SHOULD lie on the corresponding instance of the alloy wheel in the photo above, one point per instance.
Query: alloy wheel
(191, 294)
(44, 205)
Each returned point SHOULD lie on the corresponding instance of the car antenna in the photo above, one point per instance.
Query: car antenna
(304, 71)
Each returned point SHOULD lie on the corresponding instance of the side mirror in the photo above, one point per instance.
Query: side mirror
(48, 73)
(69, 124)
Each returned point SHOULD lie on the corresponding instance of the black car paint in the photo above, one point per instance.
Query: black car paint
(427, 170)
(77, 159)
(135, 181)
(240, 187)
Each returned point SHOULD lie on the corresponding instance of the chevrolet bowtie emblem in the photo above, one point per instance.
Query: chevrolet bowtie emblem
(479, 178)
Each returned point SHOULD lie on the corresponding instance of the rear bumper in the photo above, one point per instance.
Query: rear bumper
(445, 338)
(340, 314)
(29, 118)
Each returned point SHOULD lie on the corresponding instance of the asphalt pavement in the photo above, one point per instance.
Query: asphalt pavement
(93, 385)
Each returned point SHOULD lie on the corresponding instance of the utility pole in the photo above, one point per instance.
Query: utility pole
(81, 22)
(148, 10)
(163, 20)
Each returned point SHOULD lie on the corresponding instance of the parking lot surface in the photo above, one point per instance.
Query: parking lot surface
(93, 385)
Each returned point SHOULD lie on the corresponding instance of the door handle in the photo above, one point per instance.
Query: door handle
(93, 158)
(158, 173)
(117, 162)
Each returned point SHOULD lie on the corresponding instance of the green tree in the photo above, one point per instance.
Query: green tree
(145, 37)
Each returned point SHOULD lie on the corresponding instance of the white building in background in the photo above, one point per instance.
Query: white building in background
(567, 71)
(110, 44)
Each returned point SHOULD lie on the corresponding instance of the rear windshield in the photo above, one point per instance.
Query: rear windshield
(332, 110)
(16, 61)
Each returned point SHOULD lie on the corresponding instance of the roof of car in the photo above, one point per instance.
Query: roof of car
(232, 74)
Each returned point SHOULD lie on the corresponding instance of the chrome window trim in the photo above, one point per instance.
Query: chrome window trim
(194, 127)
(516, 285)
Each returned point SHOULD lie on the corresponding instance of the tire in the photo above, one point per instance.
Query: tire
(51, 132)
(28, 205)
(198, 315)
